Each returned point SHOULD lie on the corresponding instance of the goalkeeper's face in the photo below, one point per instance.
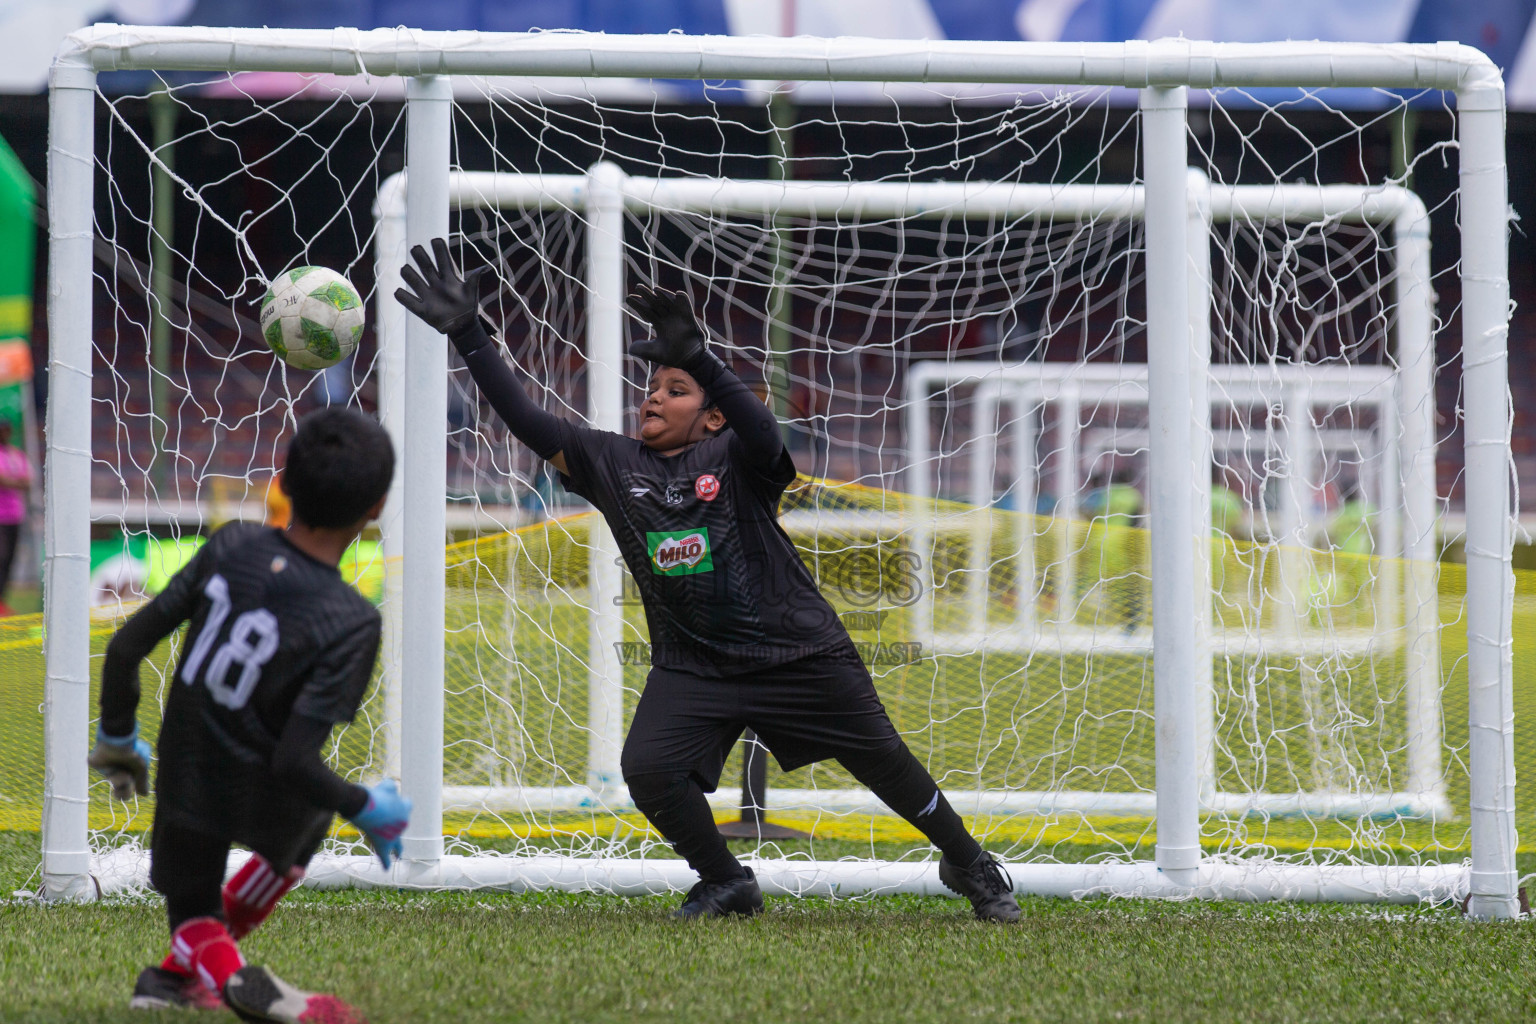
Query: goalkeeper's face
(674, 413)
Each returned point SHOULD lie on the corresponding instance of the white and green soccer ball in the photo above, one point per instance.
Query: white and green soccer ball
(312, 317)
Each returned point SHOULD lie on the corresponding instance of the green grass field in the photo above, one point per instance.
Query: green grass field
(587, 958)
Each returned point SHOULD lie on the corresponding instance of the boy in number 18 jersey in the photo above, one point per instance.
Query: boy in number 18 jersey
(279, 650)
(740, 635)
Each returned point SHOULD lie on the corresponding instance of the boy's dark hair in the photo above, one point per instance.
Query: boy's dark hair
(707, 403)
(340, 463)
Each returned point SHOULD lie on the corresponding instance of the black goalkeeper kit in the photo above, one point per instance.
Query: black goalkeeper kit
(740, 636)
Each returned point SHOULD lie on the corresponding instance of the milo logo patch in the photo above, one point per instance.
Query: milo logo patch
(679, 552)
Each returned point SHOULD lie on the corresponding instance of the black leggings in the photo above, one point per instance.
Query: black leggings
(187, 868)
(675, 803)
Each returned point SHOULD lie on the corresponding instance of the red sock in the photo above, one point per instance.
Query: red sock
(173, 964)
(205, 944)
(250, 896)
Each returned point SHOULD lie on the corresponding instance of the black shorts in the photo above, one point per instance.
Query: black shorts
(806, 711)
(247, 808)
(187, 865)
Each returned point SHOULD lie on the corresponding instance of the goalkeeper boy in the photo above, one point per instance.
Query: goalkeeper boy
(279, 650)
(740, 636)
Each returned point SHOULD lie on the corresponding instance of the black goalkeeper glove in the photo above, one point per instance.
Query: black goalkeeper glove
(447, 302)
(679, 340)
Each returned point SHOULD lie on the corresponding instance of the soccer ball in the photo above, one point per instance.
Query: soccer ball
(312, 317)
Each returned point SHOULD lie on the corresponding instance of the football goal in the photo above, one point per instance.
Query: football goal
(1115, 413)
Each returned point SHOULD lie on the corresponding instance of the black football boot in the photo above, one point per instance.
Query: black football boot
(739, 897)
(985, 884)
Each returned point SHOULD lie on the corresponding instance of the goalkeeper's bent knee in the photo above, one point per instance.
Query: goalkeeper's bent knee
(657, 791)
(674, 803)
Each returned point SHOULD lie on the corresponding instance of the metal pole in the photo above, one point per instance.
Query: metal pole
(1302, 451)
(428, 135)
(922, 517)
(162, 119)
(1173, 558)
(982, 513)
(605, 411)
(781, 117)
(1131, 64)
(1490, 579)
(67, 485)
(781, 140)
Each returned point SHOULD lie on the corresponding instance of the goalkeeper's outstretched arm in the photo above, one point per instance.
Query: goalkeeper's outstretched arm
(537, 429)
(436, 293)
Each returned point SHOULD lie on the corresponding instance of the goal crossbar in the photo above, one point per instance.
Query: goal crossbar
(1134, 64)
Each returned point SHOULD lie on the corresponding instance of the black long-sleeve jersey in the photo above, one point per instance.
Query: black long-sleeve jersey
(276, 637)
(722, 583)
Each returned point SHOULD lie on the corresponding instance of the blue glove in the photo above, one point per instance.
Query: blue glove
(383, 818)
(123, 761)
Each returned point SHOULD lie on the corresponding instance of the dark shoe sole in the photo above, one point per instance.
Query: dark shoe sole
(255, 995)
(154, 1003)
(249, 992)
(684, 914)
(998, 918)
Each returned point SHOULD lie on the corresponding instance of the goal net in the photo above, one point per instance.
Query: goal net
(1118, 462)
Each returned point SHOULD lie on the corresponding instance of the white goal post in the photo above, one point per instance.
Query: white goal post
(1162, 71)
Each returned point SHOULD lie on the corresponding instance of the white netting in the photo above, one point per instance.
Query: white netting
(999, 588)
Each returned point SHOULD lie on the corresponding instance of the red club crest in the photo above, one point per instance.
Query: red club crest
(706, 487)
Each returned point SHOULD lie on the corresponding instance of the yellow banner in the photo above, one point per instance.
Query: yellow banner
(15, 316)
